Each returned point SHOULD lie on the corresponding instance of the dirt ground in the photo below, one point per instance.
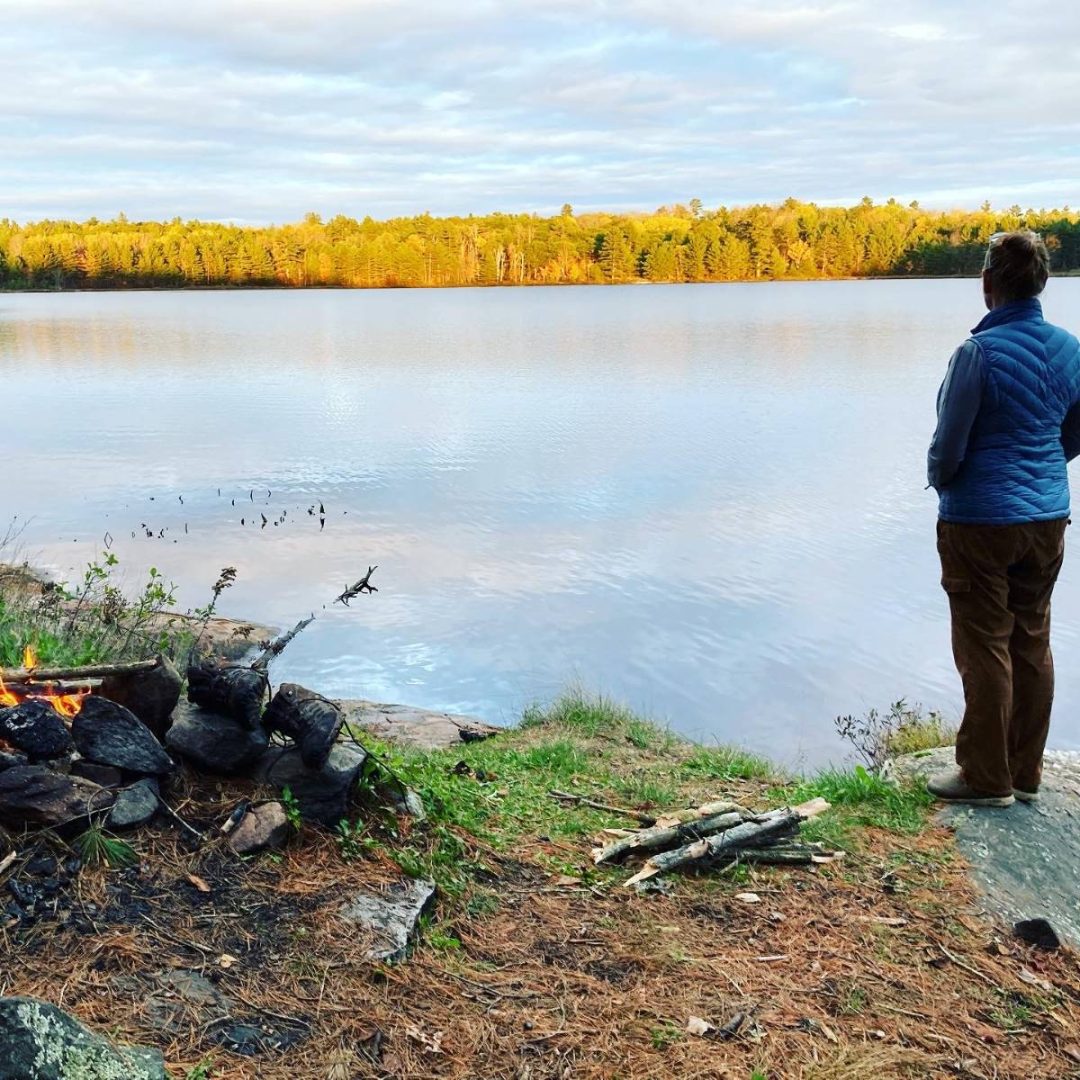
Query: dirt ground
(880, 965)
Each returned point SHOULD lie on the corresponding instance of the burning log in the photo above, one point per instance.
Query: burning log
(237, 692)
(310, 720)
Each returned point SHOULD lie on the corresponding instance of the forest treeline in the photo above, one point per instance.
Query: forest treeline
(679, 243)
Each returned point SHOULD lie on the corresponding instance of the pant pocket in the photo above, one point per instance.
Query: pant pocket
(955, 585)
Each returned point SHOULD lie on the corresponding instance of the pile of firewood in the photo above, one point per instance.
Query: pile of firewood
(711, 835)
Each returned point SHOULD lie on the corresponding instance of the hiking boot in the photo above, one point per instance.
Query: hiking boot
(951, 787)
(1020, 795)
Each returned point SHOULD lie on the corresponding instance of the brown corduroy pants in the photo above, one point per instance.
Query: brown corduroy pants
(999, 579)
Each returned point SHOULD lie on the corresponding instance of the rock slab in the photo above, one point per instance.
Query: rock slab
(390, 917)
(214, 743)
(112, 735)
(262, 827)
(37, 796)
(42, 1042)
(1024, 858)
(421, 728)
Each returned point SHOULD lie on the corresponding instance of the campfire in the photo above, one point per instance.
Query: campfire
(29, 688)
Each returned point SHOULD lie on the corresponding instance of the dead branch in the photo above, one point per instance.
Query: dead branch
(580, 800)
(350, 592)
(277, 646)
(190, 829)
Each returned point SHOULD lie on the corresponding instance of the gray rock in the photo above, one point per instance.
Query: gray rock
(1024, 858)
(181, 999)
(391, 916)
(215, 743)
(422, 728)
(41, 1042)
(112, 735)
(262, 827)
(105, 775)
(134, 805)
(37, 796)
(324, 794)
(151, 695)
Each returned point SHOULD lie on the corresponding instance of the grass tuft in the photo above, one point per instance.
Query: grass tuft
(861, 798)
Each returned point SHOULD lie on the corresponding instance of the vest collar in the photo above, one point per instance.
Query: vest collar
(1017, 311)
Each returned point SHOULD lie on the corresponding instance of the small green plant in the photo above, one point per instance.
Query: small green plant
(853, 1001)
(97, 848)
(439, 940)
(726, 763)
(204, 614)
(292, 808)
(351, 841)
(903, 729)
(665, 1035)
(202, 1071)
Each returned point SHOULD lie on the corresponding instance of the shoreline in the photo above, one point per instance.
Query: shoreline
(278, 287)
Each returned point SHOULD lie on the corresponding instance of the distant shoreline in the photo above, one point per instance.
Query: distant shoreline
(9, 291)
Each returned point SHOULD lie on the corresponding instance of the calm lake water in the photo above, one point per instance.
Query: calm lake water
(706, 501)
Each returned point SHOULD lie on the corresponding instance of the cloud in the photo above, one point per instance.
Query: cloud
(258, 110)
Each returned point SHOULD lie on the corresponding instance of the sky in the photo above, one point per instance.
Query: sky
(259, 111)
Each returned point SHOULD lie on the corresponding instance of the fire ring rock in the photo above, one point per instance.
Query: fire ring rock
(150, 695)
(215, 743)
(41, 1042)
(33, 727)
(34, 795)
(324, 794)
(112, 735)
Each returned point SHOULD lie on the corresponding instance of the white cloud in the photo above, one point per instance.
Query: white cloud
(262, 110)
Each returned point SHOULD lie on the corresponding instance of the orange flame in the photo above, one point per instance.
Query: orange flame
(65, 705)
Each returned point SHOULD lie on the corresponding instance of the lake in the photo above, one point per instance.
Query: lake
(706, 501)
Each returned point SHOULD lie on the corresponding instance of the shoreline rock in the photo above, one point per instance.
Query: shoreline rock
(423, 729)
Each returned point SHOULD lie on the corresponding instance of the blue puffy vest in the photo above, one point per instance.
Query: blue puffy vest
(1014, 468)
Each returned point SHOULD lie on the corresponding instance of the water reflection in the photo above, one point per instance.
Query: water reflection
(705, 500)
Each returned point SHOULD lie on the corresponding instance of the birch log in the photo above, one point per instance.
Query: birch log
(750, 834)
(662, 839)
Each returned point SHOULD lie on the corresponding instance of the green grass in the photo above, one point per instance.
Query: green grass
(588, 715)
(726, 763)
(917, 731)
(860, 799)
(496, 793)
(20, 626)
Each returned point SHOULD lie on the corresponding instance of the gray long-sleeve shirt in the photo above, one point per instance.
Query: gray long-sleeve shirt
(958, 404)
